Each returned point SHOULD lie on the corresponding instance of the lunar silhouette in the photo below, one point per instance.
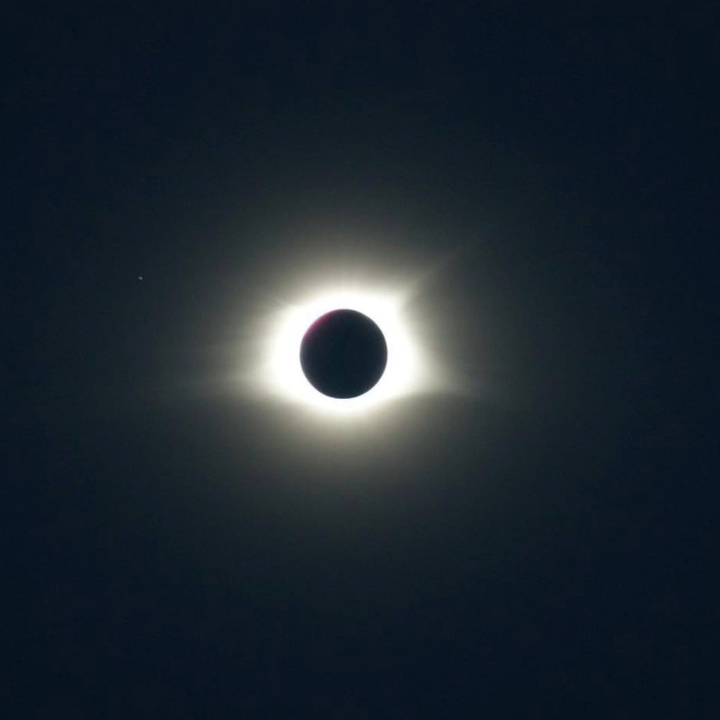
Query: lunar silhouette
(343, 354)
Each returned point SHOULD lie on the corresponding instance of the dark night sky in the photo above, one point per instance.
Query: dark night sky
(543, 547)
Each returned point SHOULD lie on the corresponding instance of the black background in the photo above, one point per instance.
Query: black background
(177, 553)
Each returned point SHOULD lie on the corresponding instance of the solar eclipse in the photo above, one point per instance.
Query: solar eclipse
(343, 354)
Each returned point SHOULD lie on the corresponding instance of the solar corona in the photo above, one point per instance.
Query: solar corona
(344, 352)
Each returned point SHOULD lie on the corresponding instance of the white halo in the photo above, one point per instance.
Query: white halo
(406, 372)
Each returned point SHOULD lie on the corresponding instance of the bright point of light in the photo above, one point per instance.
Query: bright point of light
(406, 373)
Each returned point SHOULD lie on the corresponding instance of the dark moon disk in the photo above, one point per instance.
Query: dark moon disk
(343, 354)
